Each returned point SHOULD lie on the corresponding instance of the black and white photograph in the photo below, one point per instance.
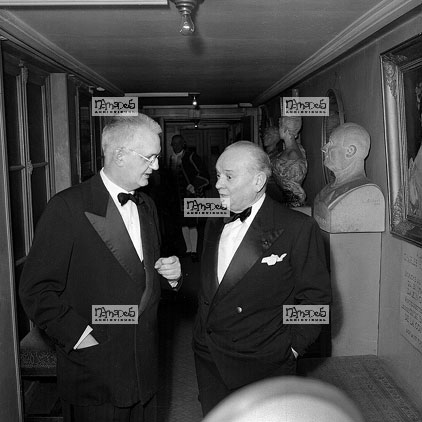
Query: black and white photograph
(210, 211)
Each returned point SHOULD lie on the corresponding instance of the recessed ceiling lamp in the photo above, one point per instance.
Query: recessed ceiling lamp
(185, 8)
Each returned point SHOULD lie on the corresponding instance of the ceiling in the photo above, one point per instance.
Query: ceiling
(241, 52)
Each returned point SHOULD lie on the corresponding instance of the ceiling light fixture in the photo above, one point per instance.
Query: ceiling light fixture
(195, 103)
(185, 8)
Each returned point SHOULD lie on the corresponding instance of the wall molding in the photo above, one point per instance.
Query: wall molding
(20, 33)
(373, 20)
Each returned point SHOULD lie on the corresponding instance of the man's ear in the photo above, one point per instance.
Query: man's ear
(118, 156)
(351, 151)
(260, 180)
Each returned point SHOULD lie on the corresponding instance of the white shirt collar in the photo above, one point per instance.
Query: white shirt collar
(112, 188)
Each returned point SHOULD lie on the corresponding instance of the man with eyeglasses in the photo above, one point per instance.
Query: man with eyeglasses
(95, 262)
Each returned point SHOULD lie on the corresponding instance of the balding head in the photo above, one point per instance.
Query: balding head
(346, 151)
(255, 158)
(353, 135)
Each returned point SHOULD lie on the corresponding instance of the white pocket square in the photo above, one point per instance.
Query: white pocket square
(273, 259)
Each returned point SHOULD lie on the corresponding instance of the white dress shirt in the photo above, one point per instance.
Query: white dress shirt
(232, 236)
(129, 213)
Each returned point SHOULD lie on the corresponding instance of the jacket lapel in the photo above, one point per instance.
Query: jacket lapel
(260, 236)
(107, 221)
(149, 235)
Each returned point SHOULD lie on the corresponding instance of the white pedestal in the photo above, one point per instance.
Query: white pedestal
(355, 275)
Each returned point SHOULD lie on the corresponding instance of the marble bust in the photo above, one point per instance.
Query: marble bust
(288, 159)
(350, 203)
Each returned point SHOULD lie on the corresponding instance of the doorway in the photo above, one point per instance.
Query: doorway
(208, 144)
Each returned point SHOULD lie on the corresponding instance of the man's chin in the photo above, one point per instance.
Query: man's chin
(225, 200)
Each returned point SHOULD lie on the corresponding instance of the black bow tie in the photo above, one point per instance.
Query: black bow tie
(124, 197)
(242, 215)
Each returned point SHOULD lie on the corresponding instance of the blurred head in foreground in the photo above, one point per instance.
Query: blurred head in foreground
(286, 399)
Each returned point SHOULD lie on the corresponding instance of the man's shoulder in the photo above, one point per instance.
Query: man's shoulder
(287, 217)
(76, 194)
(147, 199)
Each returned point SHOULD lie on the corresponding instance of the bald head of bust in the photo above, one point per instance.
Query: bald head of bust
(346, 150)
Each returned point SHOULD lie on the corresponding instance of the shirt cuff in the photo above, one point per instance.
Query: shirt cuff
(87, 331)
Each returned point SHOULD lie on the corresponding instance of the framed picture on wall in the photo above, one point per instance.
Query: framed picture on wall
(402, 95)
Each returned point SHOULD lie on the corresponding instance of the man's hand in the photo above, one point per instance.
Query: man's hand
(169, 268)
(88, 341)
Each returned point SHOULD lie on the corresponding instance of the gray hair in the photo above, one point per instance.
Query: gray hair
(120, 131)
(259, 159)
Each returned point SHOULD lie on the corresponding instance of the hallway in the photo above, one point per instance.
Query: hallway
(178, 395)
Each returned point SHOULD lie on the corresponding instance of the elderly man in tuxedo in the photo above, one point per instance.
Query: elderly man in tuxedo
(97, 243)
(264, 257)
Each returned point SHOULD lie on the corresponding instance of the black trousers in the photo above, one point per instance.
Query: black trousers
(109, 413)
(212, 389)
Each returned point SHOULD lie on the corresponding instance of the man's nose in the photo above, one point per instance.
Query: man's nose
(219, 184)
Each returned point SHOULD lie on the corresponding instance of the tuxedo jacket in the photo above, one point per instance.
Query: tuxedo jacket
(239, 325)
(81, 256)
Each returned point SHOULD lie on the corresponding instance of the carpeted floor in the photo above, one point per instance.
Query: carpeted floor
(367, 382)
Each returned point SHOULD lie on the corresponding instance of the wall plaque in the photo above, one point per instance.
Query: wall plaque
(411, 296)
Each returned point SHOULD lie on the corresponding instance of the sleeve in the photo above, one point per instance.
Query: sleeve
(312, 281)
(44, 277)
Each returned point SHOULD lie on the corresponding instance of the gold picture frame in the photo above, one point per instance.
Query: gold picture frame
(402, 101)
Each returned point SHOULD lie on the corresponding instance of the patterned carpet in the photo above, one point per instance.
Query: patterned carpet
(368, 384)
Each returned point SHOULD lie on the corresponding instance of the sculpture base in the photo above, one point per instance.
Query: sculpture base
(355, 275)
(361, 209)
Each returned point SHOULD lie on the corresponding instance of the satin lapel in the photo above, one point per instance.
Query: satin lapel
(261, 234)
(149, 238)
(107, 221)
(114, 234)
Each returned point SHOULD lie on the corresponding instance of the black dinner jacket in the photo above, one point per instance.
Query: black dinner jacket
(240, 322)
(81, 256)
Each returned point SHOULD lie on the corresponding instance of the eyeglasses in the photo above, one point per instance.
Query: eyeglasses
(151, 161)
